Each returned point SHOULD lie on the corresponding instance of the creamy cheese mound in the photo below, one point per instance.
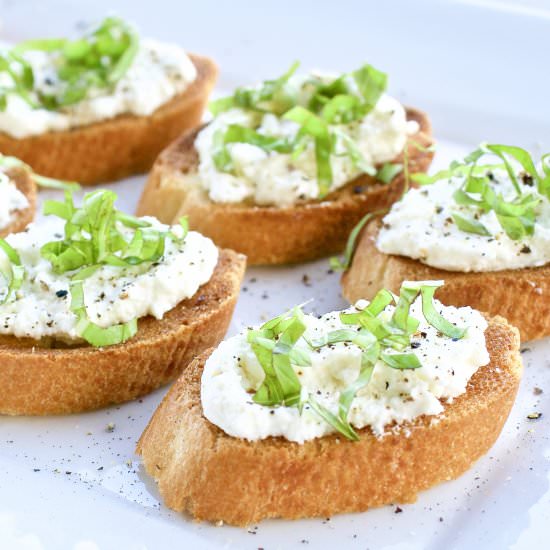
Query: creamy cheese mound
(420, 227)
(232, 374)
(41, 307)
(11, 199)
(272, 178)
(159, 72)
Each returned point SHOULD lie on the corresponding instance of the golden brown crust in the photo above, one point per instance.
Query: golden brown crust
(266, 234)
(116, 148)
(520, 295)
(201, 470)
(37, 379)
(21, 218)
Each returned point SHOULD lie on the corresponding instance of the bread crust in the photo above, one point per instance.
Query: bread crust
(520, 295)
(116, 148)
(37, 379)
(268, 234)
(25, 183)
(214, 477)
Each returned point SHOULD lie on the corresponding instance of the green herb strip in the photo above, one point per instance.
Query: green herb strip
(469, 225)
(274, 345)
(388, 172)
(15, 274)
(271, 345)
(318, 129)
(341, 264)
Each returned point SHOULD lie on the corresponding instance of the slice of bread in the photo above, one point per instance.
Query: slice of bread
(203, 471)
(520, 295)
(42, 377)
(267, 234)
(116, 148)
(25, 183)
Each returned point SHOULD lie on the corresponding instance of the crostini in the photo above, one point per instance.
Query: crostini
(309, 416)
(99, 307)
(99, 107)
(286, 168)
(483, 225)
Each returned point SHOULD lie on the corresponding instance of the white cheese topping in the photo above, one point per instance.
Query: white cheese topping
(271, 178)
(41, 308)
(420, 227)
(232, 374)
(11, 199)
(158, 73)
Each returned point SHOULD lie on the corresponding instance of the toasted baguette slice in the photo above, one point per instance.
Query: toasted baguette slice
(21, 218)
(39, 378)
(116, 148)
(267, 234)
(216, 477)
(520, 295)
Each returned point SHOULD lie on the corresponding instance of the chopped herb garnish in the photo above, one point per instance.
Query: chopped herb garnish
(315, 127)
(268, 97)
(98, 59)
(469, 225)
(280, 345)
(14, 276)
(96, 234)
(478, 192)
(344, 100)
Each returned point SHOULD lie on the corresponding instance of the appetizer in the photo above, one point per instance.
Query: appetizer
(101, 106)
(482, 224)
(311, 416)
(100, 307)
(287, 167)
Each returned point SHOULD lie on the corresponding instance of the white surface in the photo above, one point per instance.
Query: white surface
(479, 71)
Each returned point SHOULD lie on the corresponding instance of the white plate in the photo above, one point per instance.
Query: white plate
(68, 483)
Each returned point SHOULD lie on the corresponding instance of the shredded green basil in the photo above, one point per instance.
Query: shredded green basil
(346, 99)
(279, 346)
(272, 345)
(98, 59)
(15, 274)
(478, 194)
(469, 225)
(94, 236)
(315, 127)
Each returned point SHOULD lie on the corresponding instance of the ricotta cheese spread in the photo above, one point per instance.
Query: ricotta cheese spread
(281, 179)
(11, 199)
(159, 72)
(232, 374)
(113, 295)
(420, 226)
